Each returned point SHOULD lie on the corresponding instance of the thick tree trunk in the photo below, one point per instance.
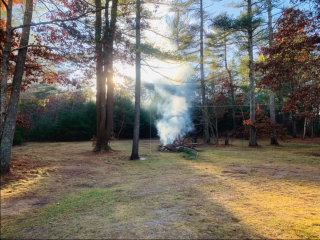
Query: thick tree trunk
(252, 140)
(5, 67)
(10, 122)
(101, 85)
(136, 130)
(273, 140)
(110, 31)
(203, 90)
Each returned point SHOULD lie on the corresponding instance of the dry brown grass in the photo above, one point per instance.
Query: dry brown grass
(227, 192)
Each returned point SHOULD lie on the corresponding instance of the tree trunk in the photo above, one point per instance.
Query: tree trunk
(5, 67)
(122, 124)
(304, 128)
(294, 121)
(226, 140)
(217, 134)
(252, 140)
(282, 120)
(10, 122)
(213, 129)
(231, 84)
(273, 140)
(311, 134)
(110, 34)
(203, 90)
(136, 130)
(101, 85)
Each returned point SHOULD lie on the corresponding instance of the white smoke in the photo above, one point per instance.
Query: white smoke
(174, 108)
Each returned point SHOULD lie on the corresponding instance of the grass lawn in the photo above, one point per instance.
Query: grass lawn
(63, 190)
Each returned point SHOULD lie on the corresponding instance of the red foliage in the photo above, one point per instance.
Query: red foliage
(264, 126)
(292, 58)
(23, 121)
(305, 99)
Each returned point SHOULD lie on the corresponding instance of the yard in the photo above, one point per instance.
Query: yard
(64, 190)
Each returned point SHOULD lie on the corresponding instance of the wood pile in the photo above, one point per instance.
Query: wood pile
(177, 146)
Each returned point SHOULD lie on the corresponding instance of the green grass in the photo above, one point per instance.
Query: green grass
(188, 154)
(225, 192)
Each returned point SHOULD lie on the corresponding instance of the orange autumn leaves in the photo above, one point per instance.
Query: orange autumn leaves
(15, 2)
(3, 8)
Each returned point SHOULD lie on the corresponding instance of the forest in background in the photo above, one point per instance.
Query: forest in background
(253, 75)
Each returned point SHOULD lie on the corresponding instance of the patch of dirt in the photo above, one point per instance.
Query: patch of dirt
(316, 154)
(83, 185)
(74, 170)
(306, 141)
(111, 185)
(19, 205)
(101, 153)
(21, 168)
(146, 192)
(225, 146)
(236, 172)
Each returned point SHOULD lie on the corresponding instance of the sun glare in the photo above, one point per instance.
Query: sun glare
(118, 80)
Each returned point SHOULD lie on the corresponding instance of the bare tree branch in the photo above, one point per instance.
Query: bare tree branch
(58, 20)
(32, 45)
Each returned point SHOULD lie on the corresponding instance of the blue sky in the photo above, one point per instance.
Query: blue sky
(215, 7)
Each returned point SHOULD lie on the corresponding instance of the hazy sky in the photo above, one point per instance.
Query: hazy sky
(175, 71)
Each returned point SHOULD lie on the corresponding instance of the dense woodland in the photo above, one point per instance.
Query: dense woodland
(253, 76)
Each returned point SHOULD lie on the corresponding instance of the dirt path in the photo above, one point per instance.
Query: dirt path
(63, 190)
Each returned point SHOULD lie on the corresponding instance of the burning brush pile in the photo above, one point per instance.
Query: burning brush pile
(178, 146)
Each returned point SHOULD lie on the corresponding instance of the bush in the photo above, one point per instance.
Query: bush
(317, 129)
(77, 121)
(17, 140)
(76, 125)
(188, 154)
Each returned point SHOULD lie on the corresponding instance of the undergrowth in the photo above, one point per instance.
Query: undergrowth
(188, 154)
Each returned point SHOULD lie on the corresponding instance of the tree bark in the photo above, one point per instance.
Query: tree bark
(304, 129)
(231, 84)
(273, 140)
(252, 140)
(9, 125)
(203, 90)
(5, 67)
(136, 130)
(217, 135)
(110, 34)
(294, 121)
(101, 83)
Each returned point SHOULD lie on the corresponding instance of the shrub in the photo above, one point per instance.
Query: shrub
(188, 154)
(317, 129)
(17, 140)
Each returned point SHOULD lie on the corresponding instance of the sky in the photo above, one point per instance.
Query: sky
(175, 71)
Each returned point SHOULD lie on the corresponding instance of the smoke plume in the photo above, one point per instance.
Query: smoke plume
(174, 108)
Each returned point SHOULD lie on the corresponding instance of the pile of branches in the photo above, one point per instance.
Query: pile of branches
(177, 146)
